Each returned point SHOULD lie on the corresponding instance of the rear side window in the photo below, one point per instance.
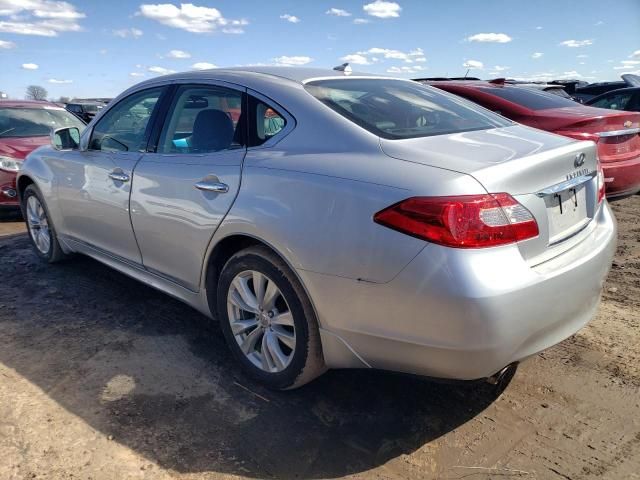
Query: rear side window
(203, 119)
(530, 98)
(265, 122)
(397, 109)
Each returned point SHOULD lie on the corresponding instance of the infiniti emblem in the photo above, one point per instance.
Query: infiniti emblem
(579, 160)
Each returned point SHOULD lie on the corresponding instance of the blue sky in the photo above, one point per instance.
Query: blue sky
(98, 48)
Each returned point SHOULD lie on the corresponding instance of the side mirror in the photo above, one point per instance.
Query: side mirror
(67, 138)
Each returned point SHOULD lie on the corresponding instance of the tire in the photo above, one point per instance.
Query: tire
(39, 225)
(265, 328)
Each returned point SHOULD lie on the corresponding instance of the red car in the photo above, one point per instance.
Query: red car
(616, 133)
(24, 126)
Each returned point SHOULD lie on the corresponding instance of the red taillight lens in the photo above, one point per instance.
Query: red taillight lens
(579, 135)
(601, 187)
(467, 221)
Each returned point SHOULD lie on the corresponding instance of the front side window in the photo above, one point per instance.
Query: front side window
(530, 98)
(616, 101)
(124, 128)
(396, 109)
(203, 119)
(35, 122)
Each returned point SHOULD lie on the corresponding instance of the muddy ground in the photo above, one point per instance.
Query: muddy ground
(104, 378)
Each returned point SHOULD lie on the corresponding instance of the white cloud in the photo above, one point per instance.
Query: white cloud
(405, 69)
(416, 55)
(191, 18)
(30, 66)
(382, 9)
(539, 27)
(356, 59)
(178, 54)
(490, 38)
(360, 21)
(160, 70)
(39, 17)
(61, 82)
(136, 74)
(6, 44)
(103, 51)
(598, 23)
(473, 64)
(630, 62)
(582, 56)
(128, 33)
(295, 60)
(537, 55)
(499, 68)
(290, 18)
(576, 43)
(635, 54)
(203, 66)
(338, 12)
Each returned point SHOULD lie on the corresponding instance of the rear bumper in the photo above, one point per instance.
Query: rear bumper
(465, 314)
(622, 178)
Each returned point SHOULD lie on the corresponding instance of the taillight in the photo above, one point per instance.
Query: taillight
(594, 137)
(466, 221)
(601, 186)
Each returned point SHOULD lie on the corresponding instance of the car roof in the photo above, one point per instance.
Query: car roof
(28, 104)
(252, 77)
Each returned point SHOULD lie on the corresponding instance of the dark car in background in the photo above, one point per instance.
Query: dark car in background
(627, 99)
(587, 92)
(85, 110)
(24, 126)
(616, 133)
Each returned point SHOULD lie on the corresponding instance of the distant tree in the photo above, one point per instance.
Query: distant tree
(36, 92)
(64, 100)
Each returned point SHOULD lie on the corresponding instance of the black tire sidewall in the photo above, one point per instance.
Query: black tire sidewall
(255, 261)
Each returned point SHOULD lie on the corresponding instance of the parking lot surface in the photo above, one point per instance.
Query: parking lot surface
(104, 378)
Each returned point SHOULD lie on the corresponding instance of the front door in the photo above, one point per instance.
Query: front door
(95, 185)
(182, 192)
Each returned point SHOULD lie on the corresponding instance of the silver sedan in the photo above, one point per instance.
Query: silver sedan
(329, 220)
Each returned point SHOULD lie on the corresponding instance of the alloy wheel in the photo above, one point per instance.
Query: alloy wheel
(261, 321)
(38, 225)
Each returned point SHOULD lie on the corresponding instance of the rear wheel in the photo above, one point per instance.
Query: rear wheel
(41, 230)
(267, 320)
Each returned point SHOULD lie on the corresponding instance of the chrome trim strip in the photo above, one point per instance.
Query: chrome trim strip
(616, 133)
(566, 185)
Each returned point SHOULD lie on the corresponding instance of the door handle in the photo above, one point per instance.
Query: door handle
(119, 176)
(207, 186)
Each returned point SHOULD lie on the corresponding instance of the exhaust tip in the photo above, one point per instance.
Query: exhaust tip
(503, 376)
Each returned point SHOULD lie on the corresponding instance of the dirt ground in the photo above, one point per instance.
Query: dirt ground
(104, 378)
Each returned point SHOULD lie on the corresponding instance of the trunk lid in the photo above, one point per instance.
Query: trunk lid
(553, 177)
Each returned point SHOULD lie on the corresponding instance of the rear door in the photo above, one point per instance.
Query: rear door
(183, 188)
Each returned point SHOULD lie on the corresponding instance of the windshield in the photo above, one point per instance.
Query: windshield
(35, 122)
(397, 109)
(530, 98)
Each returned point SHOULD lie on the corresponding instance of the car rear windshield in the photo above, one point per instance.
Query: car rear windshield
(35, 122)
(530, 98)
(397, 109)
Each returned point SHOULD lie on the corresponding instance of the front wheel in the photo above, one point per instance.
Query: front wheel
(268, 321)
(41, 230)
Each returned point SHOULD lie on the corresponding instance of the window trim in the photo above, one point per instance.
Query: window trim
(150, 125)
(290, 121)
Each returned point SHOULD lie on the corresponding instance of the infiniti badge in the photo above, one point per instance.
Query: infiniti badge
(579, 160)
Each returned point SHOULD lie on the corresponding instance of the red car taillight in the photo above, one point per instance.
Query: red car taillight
(601, 186)
(466, 221)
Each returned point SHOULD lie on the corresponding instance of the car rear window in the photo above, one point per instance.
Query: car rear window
(530, 98)
(397, 109)
(35, 122)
